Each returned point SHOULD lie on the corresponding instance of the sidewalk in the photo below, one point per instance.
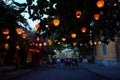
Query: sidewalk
(109, 73)
(9, 72)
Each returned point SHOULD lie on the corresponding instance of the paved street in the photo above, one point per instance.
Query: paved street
(57, 74)
(84, 72)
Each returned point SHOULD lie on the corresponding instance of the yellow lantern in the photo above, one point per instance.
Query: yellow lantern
(63, 39)
(78, 14)
(8, 37)
(73, 35)
(97, 16)
(37, 38)
(44, 43)
(40, 44)
(24, 35)
(100, 3)
(5, 31)
(6, 46)
(37, 26)
(95, 43)
(83, 29)
(58, 42)
(56, 22)
(19, 30)
(81, 44)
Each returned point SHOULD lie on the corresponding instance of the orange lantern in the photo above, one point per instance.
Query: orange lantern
(5, 31)
(24, 35)
(78, 14)
(83, 29)
(37, 26)
(74, 44)
(49, 42)
(56, 22)
(19, 30)
(97, 16)
(100, 3)
(99, 42)
(73, 35)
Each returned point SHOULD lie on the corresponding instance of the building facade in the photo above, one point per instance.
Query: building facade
(108, 55)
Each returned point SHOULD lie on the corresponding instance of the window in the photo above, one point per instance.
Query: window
(104, 49)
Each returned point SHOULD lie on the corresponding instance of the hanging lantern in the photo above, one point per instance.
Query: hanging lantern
(81, 44)
(44, 43)
(6, 46)
(74, 44)
(97, 16)
(24, 35)
(78, 14)
(37, 38)
(91, 43)
(5, 31)
(73, 35)
(58, 42)
(49, 42)
(99, 42)
(83, 29)
(100, 3)
(40, 44)
(8, 37)
(95, 43)
(37, 26)
(56, 22)
(19, 30)
(63, 39)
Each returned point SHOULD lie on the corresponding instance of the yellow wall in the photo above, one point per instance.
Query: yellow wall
(111, 52)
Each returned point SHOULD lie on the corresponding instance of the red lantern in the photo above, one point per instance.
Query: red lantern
(19, 30)
(56, 22)
(5, 31)
(78, 14)
(83, 29)
(37, 26)
(100, 3)
(97, 16)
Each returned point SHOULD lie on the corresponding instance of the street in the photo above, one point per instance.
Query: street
(58, 74)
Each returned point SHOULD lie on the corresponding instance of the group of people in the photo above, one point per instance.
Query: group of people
(64, 63)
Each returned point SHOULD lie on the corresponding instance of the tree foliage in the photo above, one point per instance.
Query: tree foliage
(108, 24)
